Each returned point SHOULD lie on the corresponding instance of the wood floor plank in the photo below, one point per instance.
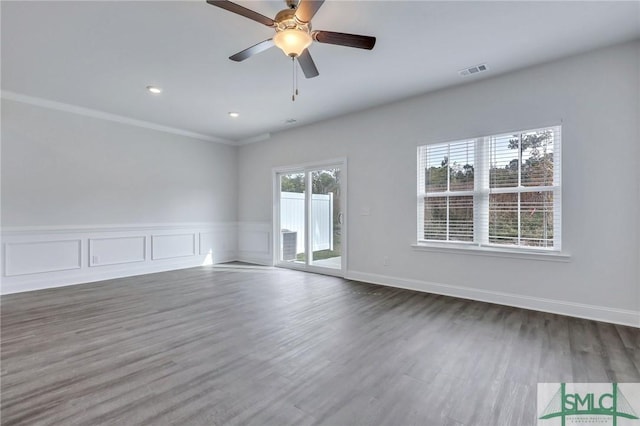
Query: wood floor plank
(241, 345)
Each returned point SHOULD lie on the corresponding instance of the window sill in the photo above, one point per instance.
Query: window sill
(493, 251)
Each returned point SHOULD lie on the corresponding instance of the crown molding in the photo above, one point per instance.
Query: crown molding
(254, 139)
(88, 112)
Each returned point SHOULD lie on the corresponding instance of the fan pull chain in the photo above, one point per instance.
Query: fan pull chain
(296, 73)
(293, 79)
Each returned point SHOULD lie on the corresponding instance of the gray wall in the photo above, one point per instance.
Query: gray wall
(595, 96)
(63, 169)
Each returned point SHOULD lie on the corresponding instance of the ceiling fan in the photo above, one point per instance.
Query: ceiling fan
(293, 32)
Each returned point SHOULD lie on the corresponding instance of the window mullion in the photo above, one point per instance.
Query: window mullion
(519, 186)
(422, 182)
(557, 193)
(481, 189)
(520, 160)
(519, 219)
(448, 187)
(448, 224)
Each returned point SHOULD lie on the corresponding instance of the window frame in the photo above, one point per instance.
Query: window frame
(481, 197)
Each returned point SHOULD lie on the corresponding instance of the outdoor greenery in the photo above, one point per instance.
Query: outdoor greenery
(324, 254)
(533, 158)
(323, 182)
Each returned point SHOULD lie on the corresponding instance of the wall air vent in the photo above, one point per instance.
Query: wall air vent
(473, 70)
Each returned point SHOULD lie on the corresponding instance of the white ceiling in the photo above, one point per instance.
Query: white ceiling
(102, 55)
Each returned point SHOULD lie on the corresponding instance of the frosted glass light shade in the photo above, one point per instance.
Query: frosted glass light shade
(292, 41)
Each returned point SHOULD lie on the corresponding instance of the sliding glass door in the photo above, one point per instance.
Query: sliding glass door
(309, 218)
(293, 218)
(325, 218)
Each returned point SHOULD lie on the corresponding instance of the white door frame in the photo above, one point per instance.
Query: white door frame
(340, 163)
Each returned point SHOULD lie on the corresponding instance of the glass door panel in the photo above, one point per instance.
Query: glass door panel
(309, 223)
(325, 219)
(293, 218)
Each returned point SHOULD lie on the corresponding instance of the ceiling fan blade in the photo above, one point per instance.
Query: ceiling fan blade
(306, 9)
(308, 66)
(249, 52)
(243, 11)
(342, 39)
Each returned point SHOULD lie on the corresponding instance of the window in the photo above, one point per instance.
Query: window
(500, 190)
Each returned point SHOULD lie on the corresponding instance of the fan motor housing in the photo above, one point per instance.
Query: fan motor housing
(286, 19)
(285, 15)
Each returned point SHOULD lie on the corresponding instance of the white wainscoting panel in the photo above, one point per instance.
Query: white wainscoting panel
(35, 257)
(116, 250)
(172, 246)
(207, 242)
(254, 242)
(220, 244)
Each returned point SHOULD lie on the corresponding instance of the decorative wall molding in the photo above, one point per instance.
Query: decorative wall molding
(45, 257)
(110, 228)
(117, 250)
(255, 242)
(253, 139)
(205, 241)
(591, 312)
(171, 246)
(88, 112)
(225, 242)
(35, 258)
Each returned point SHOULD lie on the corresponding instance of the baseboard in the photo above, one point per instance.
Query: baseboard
(591, 312)
(224, 258)
(256, 260)
(51, 280)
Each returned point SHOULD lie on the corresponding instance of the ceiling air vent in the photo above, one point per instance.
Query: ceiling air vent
(473, 70)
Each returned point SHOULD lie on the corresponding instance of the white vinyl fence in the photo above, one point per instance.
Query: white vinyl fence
(292, 219)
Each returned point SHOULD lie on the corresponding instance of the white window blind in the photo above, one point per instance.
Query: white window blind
(499, 190)
(447, 191)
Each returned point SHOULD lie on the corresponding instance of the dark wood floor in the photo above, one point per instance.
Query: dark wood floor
(225, 346)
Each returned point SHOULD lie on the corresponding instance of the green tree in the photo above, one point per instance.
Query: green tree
(292, 183)
(531, 141)
(535, 164)
(323, 182)
(458, 209)
(326, 181)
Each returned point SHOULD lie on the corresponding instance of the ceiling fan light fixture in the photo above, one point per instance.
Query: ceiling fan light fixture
(292, 41)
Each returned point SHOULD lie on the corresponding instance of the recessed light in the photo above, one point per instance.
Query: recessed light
(234, 114)
(155, 90)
